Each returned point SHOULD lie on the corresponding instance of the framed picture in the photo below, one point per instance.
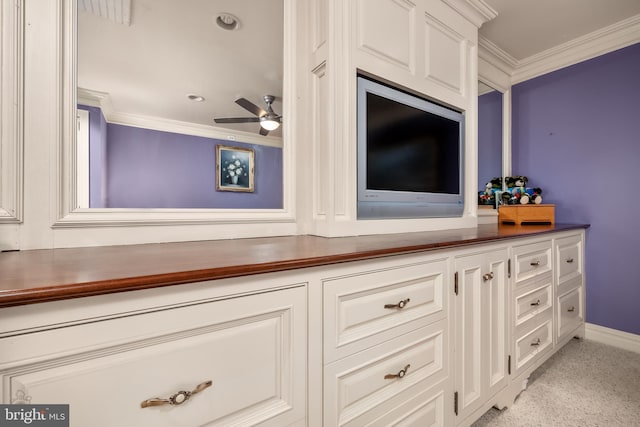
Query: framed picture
(234, 169)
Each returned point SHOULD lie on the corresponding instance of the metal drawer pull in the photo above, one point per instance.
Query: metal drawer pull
(570, 260)
(536, 343)
(400, 305)
(571, 309)
(177, 399)
(536, 303)
(535, 263)
(400, 374)
(488, 276)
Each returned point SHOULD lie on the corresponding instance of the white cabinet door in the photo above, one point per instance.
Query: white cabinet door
(480, 328)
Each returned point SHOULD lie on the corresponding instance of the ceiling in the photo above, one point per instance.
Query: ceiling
(524, 28)
(155, 53)
(173, 48)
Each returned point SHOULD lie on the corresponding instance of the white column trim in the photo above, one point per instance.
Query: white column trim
(11, 111)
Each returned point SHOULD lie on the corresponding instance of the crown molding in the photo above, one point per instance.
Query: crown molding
(604, 40)
(599, 42)
(476, 11)
(102, 100)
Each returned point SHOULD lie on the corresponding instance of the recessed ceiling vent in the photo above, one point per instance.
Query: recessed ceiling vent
(118, 11)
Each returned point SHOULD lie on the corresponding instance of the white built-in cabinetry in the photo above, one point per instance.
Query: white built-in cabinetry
(427, 338)
(481, 340)
(428, 47)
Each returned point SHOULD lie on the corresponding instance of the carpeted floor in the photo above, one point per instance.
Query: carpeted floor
(585, 384)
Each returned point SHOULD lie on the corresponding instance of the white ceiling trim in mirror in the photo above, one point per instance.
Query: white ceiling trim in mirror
(68, 215)
(11, 105)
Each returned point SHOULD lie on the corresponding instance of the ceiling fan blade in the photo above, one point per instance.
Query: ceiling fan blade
(250, 106)
(263, 131)
(237, 120)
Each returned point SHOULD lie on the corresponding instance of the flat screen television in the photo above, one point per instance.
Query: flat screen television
(410, 155)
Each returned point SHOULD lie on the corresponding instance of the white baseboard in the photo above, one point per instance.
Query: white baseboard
(612, 337)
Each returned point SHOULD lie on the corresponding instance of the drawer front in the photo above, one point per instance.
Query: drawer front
(533, 343)
(366, 309)
(363, 387)
(251, 349)
(568, 259)
(532, 261)
(569, 312)
(532, 303)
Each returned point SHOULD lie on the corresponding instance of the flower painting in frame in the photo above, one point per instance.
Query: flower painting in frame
(234, 169)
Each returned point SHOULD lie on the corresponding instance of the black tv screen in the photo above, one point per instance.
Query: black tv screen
(410, 155)
(409, 149)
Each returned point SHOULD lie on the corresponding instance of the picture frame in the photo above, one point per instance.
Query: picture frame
(234, 169)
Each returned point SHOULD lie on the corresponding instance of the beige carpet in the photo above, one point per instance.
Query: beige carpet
(585, 384)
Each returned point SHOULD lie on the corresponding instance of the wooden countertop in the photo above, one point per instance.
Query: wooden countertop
(52, 274)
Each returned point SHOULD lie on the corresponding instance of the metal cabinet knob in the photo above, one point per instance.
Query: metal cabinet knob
(400, 374)
(536, 303)
(535, 263)
(178, 398)
(536, 343)
(569, 261)
(488, 276)
(571, 309)
(400, 305)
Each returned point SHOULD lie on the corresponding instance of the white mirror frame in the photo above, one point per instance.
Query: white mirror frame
(69, 215)
(492, 76)
(11, 111)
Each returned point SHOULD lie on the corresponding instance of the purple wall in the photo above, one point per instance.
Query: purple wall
(489, 137)
(153, 169)
(576, 134)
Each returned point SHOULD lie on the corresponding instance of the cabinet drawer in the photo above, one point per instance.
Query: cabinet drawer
(367, 309)
(532, 261)
(251, 349)
(368, 385)
(569, 260)
(532, 303)
(569, 312)
(533, 343)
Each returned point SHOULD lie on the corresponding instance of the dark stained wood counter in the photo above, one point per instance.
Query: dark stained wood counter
(52, 274)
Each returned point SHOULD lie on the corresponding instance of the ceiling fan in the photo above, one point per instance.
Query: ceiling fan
(268, 119)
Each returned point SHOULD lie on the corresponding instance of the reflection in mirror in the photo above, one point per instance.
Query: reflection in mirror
(489, 134)
(152, 76)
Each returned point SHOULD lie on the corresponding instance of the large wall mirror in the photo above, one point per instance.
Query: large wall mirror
(161, 86)
(490, 134)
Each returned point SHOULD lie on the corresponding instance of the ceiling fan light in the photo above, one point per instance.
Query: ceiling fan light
(269, 124)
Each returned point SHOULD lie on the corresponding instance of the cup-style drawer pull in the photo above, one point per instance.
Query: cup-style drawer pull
(400, 374)
(488, 276)
(536, 303)
(177, 399)
(535, 264)
(569, 260)
(571, 309)
(536, 343)
(400, 305)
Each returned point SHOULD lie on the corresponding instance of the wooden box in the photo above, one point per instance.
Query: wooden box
(526, 214)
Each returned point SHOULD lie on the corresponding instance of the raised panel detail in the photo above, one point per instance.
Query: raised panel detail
(533, 343)
(251, 353)
(321, 149)
(386, 29)
(444, 55)
(569, 312)
(532, 303)
(357, 392)
(355, 306)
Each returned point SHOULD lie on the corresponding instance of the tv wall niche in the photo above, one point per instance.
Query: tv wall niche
(133, 167)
